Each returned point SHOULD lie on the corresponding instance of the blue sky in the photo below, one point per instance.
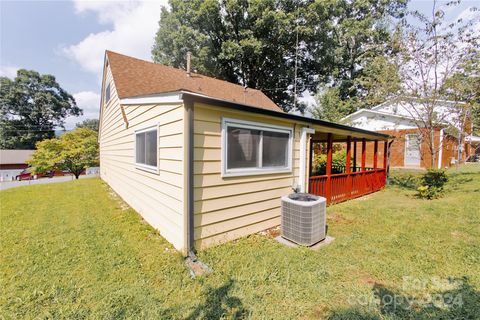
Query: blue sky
(67, 39)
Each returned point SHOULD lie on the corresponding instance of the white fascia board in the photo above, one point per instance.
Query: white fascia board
(404, 98)
(472, 139)
(201, 95)
(389, 101)
(386, 114)
(376, 112)
(170, 97)
(352, 115)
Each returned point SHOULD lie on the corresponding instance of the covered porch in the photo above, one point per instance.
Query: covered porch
(361, 168)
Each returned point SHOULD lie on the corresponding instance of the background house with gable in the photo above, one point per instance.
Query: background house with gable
(396, 117)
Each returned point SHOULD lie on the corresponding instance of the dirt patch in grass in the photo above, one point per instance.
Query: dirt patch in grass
(338, 218)
(321, 312)
(367, 197)
(114, 196)
(368, 279)
(459, 235)
(272, 232)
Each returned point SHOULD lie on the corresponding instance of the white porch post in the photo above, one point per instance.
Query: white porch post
(302, 176)
(440, 149)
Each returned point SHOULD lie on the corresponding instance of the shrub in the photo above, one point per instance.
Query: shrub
(434, 178)
(426, 192)
(338, 162)
(432, 183)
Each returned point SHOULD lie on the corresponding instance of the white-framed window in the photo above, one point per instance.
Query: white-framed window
(146, 149)
(250, 148)
(107, 94)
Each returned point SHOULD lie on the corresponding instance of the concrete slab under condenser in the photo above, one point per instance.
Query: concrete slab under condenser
(316, 246)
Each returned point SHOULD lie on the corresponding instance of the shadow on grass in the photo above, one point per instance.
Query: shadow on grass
(463, 302)
(219, 304)
(404, 181)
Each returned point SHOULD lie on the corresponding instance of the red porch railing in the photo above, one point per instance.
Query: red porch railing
(345, 186)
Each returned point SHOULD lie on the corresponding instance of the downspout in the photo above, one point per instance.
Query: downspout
(303, 157)
(194, 265)
(190, 241)
(440, 149)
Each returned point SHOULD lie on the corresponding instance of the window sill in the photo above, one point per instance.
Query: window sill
(253, 172)
(146, 168)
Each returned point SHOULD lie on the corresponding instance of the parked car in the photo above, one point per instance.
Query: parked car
(27, 174)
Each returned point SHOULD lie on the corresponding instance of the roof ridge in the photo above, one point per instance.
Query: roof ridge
(181, 70)
(136, 77)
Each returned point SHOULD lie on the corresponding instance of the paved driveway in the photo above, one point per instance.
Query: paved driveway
(13, 184)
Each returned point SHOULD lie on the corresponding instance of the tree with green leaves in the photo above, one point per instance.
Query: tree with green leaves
(31, 107)
(475, 116)
(378, 82)
(282, 47)
(74, 151)
(437, 60)
(247, 42)
(463, 88)
(89, 123)
(362, 42)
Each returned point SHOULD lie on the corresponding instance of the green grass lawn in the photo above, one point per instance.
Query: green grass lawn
(73, 250)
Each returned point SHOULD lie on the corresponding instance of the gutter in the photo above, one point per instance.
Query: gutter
(243, 107)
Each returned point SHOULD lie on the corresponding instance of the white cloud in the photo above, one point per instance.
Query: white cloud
(89, 102)
(8, 71)
(130, 29)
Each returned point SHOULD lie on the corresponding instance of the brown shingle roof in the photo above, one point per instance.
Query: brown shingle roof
(15, 156)
(134, 77)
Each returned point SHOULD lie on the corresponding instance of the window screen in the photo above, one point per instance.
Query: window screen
(256, 148)
(146, 148)
(275, 149)
(243, 148)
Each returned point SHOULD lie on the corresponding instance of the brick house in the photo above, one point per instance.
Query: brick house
(408, 149)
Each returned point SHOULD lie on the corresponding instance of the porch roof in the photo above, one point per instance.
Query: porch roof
(322, 127)
(341, 135)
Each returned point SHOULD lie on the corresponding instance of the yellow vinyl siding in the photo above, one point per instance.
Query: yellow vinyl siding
(159, 198)
(234, 232)
(245, 196)
(226, 208)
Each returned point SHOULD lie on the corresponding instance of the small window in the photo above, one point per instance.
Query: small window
(254, 148)
(107, 94)
(146, 151)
